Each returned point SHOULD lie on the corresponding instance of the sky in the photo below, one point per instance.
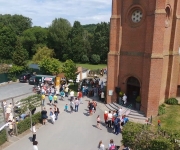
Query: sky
(43, 12)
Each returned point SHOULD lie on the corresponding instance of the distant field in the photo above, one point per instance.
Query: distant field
(92, 67)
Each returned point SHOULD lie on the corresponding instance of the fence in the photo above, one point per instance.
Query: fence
(4, 77)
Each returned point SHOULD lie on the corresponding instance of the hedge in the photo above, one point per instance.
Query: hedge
(3, 137)
(141, 137)
(172, 101)
(26, 123)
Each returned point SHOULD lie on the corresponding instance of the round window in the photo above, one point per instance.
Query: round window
(137, 16)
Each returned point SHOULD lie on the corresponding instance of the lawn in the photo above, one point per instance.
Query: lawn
(171, 119)
(92, 67)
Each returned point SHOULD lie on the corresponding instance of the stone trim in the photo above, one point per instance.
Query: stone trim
(143, 54)
(160, 11)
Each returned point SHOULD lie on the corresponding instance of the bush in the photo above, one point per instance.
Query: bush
(26, 123)
(141, 137)
(161, 110)
(3, 137)
(85, 59)
(172, 101)
(95, 59)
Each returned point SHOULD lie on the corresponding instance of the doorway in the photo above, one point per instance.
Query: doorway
(133, 90)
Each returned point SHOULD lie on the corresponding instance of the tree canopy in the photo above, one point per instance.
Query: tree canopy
(42, 53)
(50, 66)
(70, 70)
(77, 42)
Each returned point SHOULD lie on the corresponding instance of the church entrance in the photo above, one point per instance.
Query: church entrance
(133, 90)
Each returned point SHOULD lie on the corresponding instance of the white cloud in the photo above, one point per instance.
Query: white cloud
(42, 12)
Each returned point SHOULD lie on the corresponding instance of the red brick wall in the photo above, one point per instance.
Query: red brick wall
(147, 52)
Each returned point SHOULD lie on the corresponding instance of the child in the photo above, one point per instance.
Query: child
(55, 99)
(66, 107)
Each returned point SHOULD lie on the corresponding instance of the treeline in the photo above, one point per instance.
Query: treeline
(80, 43)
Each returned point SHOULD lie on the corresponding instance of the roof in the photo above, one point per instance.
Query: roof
(49, 76)
(84, 69)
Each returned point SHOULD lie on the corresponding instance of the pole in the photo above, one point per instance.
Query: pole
(14, 116)
(4, 115)
(30, 117)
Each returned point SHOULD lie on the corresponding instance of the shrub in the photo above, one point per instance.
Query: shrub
(26, 123)
(141, 137)
(85, 59)
(163, 105)
(172, 101)
(161, 143)
(161, 110)
(95, 59)
(3, 137)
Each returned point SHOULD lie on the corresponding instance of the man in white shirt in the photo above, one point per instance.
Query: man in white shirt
(102, 96)
(76, 102)
(109, 118)
(124, 99)
(72, 95)
(120, 112)
(8, 111)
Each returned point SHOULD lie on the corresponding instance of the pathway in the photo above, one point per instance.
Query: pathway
(76, 131)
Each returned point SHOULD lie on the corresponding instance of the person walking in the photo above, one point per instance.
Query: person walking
(98, 122)
(105, 117)
(11, 124)
(35, 143)
(50, 99)
(71, 105)
(111, 145)
(80, 96)
(94, 105)
(55, 99)
(117, 122)
(71, 95)
(76, 104)
(44, 116)
(102, 96)
(66, 107)
(56, 112)
(101, 146)
(66, 90)
(109, 119)
(52, 116)
(43, 98)
(33, 132)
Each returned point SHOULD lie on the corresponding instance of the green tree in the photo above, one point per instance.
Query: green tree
(78, 41)
(50, 66)
(100, 44)
(95, 59)
(7, 42)
(17, 23)
(34, 38)
(70, 70)
(20, 55)
(84, 59)
(42, 53)
(58, 36)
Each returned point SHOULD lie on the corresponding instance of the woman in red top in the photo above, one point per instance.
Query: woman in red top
(105, 117)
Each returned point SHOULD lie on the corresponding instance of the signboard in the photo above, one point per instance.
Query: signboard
(110, 92)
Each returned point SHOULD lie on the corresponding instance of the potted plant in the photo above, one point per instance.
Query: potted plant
(138, 102)
(120, 97)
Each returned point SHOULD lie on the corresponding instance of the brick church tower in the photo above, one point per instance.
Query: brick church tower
(143, 58)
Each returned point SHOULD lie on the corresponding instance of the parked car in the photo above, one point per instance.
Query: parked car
(25, 77)
(32, 80)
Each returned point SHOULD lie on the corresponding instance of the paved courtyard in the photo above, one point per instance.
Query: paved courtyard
(76, 131)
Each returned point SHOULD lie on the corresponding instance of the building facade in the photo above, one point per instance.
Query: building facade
(143, 58)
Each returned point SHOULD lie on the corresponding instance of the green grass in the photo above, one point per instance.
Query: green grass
(92, 67)
(169, 120)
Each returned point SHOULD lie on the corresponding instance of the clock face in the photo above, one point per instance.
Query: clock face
(137, 16)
